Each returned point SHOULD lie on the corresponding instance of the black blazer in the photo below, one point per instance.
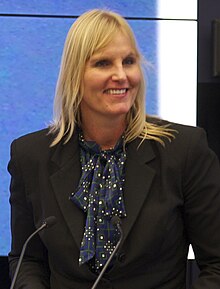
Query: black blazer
(172, 199)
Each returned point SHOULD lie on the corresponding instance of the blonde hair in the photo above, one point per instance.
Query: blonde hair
(91, 32)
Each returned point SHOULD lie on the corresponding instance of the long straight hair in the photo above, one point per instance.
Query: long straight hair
(91, 32)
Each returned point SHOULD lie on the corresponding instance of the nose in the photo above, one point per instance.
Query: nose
(119, 73)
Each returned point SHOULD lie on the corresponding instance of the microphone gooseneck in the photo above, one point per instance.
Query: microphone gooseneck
(48, 222)
(116, 221)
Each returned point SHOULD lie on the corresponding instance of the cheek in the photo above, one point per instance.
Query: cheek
(94, 86)
(136, 77)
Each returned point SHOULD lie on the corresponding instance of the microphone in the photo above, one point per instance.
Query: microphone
(48, 222)
(115, 222)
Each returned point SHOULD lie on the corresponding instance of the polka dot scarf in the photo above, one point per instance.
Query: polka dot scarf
(100, 196)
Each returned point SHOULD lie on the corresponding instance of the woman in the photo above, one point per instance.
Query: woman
(102, 157)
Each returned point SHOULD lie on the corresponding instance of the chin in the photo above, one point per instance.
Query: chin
(122, 109)
(122, 112)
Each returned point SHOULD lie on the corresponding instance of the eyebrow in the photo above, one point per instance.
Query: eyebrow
(101, 56)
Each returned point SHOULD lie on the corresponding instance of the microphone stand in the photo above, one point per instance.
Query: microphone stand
(47, 223)
(117, 222)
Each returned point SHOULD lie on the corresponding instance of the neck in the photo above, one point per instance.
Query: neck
(106, 136)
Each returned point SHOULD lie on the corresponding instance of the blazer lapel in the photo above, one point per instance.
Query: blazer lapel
(138, 180)
(65, 181)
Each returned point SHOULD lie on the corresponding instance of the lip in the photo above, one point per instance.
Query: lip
(115, 91)
(117, 96)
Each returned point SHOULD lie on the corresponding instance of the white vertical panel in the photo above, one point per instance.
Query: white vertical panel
(177, 9)
(177, 53)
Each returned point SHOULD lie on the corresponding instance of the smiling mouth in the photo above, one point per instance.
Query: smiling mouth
(116, 91)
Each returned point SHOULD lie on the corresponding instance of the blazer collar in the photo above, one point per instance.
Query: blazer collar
(138, 179)
(64, 153)
(64, 181)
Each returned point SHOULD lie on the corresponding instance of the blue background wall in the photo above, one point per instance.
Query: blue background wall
(32, 34)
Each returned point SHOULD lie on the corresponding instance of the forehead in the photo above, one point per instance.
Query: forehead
(120, 43)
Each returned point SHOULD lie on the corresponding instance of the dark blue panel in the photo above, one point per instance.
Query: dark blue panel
(134, 8)
(30, 54)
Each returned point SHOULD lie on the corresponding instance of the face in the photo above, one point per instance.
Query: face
(111, 81)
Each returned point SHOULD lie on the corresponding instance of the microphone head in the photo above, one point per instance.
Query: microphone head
(50, 221)
(115, 220)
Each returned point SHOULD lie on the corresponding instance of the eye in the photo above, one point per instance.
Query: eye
(102, 63)
(129, 60)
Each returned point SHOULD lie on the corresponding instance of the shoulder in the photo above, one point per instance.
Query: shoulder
(188, 150)
(181, 132)
(37, 137)
(189, 136)
(35, 143)
(187, 140)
